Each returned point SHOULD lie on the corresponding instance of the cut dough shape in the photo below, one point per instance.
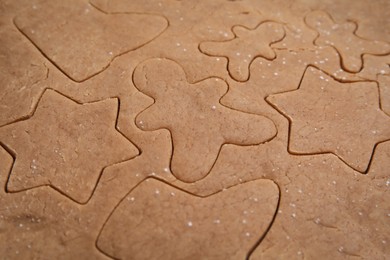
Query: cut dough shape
(82, 41)
(372, 18)
(68, 146)
(342, 37)
(224, 226)
(329, 116)
(199, 124)
(245, 46)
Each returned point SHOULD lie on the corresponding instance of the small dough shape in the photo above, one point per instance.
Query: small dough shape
(65, 145)
(199, 124)
(178, 225)
(343, 38)
(328, 116)
(246, 46)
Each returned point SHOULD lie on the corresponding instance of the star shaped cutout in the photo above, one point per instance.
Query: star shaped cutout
(344, 39)
(65, 145)
(245, 47)
(198, 123)
(328, 116)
